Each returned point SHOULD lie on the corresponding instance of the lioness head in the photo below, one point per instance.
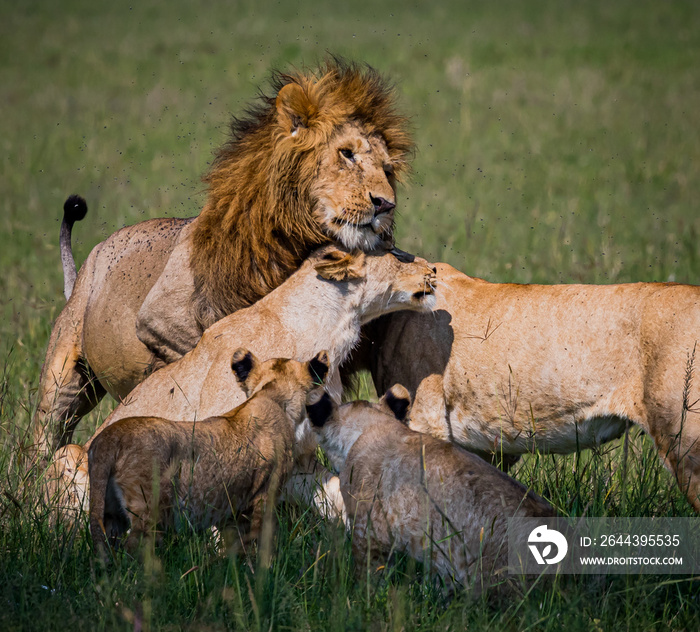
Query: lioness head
(389, 283)
(339, 427)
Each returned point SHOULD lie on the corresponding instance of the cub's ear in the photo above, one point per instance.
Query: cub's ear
(294, 108)
(319, 407)
(243, 364)
(319, 366)
(337, 265)
(397, 402)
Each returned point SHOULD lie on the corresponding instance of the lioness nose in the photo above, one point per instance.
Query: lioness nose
(381, 205)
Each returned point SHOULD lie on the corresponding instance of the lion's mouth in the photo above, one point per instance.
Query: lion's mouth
(338, 221)
(428, 289)
(359, 230)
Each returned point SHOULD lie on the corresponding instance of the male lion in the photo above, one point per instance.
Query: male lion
(507, 368)
(317, 161)
(150, 472)
(408, 491)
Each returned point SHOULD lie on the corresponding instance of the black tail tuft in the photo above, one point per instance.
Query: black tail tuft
(74, 209)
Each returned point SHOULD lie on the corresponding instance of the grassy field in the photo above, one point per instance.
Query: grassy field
(557, 142)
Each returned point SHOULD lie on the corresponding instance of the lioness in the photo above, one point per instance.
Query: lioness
(149, 472)
(508, 368)
(316, 161)
(407, 491)
(321, 306)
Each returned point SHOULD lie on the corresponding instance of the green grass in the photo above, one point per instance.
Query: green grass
(557, 142)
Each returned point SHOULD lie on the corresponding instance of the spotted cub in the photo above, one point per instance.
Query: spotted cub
(407, 491)
(148, 473)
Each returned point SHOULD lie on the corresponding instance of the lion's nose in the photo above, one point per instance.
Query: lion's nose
(381, 205)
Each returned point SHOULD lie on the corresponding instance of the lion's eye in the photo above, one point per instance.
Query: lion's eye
(388, 171)
(347, 153)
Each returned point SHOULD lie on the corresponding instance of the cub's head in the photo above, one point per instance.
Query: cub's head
(391, 280)
(394, 404)
(339, 427)
(289, 382)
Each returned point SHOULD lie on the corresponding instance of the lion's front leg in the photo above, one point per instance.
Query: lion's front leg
(165, 322)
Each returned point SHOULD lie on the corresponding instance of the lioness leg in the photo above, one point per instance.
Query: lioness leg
(681, 454)
(688, 477)
(673, 417)
(67, 484)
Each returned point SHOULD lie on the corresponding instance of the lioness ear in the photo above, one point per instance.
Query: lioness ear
(397, 402)
(339, 266)
(318, 367)
(242, 364)
(294, 108)
(319, 408)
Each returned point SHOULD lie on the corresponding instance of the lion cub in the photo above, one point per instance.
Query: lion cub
(147, 472)
(407, 491)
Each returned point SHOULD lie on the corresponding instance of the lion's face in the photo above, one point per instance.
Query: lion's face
(354, 195)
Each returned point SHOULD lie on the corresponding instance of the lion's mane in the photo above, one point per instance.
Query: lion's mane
(257, 226)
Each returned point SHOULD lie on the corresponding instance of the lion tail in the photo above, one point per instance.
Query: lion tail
(74, 209)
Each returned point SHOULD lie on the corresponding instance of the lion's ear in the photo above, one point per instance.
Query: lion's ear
(319, 366)
(341, 266)
(294, 108)
(397, 402)
(244, 365)
(319, 407)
